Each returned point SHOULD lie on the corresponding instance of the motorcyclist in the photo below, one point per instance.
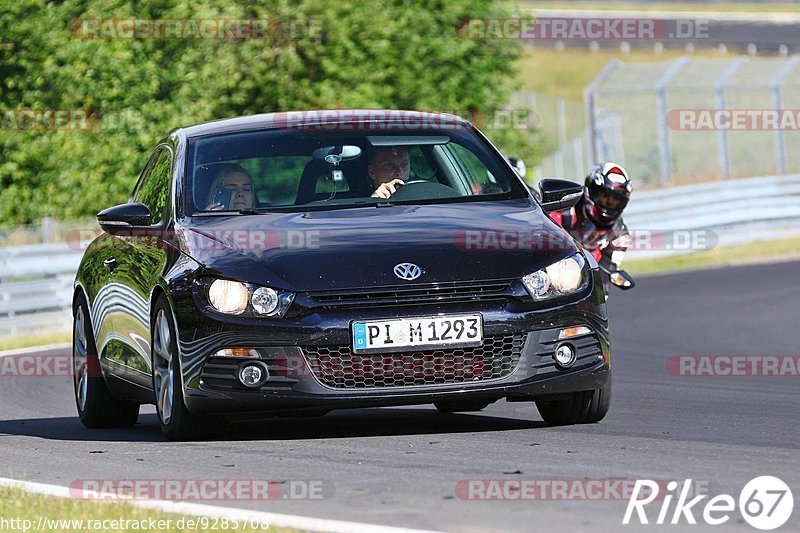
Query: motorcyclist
(596, 220)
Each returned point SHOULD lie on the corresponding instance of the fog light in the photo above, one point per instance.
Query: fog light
(565, 355)
(573, 332)
(253, 375)
(236, 352)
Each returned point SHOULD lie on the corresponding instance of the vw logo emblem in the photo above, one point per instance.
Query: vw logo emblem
(407, 271)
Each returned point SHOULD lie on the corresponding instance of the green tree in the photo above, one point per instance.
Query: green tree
(397, 54)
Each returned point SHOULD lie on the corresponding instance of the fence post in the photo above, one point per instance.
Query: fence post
(590, 103)
(722, 135)
(561, 122)
(577, 150)
(664, 150)
(47, 230)
(777, 96)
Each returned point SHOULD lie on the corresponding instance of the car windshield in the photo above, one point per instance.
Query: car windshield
(289, 170)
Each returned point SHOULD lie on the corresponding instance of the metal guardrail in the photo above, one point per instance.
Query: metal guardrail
(36, 281)
(731, 212)
(36, 288)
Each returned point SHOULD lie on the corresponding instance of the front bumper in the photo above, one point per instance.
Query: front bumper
(211, 385)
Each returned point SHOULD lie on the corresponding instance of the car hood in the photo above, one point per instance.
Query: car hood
(359, 248)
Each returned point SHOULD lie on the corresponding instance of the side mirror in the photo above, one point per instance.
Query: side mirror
(559, 194)
(622, 279)
(124, 216)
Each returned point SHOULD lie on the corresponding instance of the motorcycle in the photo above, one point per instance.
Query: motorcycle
(595, 242)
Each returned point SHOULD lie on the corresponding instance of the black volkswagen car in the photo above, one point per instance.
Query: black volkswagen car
(291, 264)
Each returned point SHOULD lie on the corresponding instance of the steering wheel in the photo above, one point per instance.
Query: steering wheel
(423, 190)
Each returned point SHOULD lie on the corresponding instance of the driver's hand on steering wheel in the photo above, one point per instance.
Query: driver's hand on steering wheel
(387, 189)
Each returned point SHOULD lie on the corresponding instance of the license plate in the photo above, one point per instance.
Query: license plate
(428, 332)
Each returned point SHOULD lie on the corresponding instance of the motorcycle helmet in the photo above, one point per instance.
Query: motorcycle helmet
(606, 194)
(519, 165)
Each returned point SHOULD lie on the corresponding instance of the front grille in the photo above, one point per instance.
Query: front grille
(339, 368)
(414, 294)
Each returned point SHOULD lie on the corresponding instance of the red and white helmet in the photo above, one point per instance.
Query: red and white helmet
(608, 189)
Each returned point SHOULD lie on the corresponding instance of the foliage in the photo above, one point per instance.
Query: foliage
(321, 55)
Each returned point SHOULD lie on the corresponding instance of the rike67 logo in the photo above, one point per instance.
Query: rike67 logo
(765, 503)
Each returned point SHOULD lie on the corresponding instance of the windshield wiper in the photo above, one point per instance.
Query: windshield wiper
(229, 212)
(293, 209)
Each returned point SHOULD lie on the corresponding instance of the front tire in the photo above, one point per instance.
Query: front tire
(97, 407)
(175, 419)
(584, 407)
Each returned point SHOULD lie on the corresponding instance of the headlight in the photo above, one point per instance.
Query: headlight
(559, 279)
(236, 298)
(265, 300)
(228, 296)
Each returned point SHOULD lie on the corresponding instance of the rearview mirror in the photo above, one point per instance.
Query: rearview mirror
(123, 216)
(622, 279)
(334, 155)
(557, 195)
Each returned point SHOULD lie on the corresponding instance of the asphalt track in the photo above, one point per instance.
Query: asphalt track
(401, 466)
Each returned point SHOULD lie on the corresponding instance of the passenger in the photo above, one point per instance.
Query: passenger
(231, 189)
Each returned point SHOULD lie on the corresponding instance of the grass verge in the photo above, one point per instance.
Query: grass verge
(30, 341)
(565, 73)
(741, 254)
(22, 511)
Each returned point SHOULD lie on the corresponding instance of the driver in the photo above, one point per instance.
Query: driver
(389, 168)
(235, 183)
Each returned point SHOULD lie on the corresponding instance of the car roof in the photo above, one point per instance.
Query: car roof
(326, 120)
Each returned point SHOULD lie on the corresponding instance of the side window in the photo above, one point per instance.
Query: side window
(479, 179)
(420, 167)
(154, 186)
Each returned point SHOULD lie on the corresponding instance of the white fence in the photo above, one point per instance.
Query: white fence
(661, 109)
